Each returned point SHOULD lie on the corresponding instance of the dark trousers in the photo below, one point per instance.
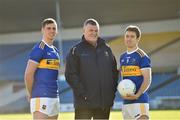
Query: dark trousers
(97, 113)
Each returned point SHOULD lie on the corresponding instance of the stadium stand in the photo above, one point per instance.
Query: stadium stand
(161, 47)
(158, 78)
(148, 43)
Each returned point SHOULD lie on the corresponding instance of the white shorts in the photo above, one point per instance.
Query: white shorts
(48, 106)
(135, 110)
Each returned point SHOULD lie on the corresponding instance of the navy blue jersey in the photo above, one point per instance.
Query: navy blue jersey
(131, 65)
(46, 75)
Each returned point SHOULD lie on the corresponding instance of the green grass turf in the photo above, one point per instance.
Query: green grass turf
(115, 115)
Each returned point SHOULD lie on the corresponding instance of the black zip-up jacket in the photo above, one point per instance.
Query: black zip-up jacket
(92, 74)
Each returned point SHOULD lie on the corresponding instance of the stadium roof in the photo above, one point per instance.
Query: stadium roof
(26, 15)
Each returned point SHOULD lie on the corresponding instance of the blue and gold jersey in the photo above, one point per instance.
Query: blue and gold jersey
(131, 65)
(46, 75)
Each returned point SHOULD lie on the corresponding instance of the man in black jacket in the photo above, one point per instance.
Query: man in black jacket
(91, 71)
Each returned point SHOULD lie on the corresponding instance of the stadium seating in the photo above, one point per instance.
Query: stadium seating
(169, 90)
(158, 78)
(164, 59)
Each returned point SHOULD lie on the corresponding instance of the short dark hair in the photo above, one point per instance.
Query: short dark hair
(91, 22)
(48, 21)
(134, 29)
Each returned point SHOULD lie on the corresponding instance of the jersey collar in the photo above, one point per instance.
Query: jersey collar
(50, 46)
(132, 51)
